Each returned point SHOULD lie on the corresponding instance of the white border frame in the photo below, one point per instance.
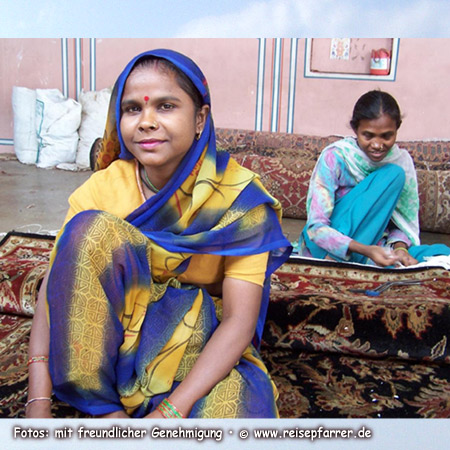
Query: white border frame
(352, 76)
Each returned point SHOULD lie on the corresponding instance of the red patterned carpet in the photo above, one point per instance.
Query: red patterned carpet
(331, 352)
(335, 353)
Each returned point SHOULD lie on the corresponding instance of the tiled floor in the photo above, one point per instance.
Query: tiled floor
(33, 199)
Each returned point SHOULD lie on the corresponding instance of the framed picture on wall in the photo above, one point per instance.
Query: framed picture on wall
(352, 58)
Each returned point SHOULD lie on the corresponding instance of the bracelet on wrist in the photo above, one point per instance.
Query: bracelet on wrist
(169, 410)
(37, 359)
(403, 249)
(38, 399)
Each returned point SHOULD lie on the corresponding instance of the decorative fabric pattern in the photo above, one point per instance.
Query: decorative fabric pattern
(18, 287)
(434, 194)
(286, 178)
(311, 308)
(428, 155)
(264, 143)
(333, 385)
(117, 337)
(14, 337)
(315, 384)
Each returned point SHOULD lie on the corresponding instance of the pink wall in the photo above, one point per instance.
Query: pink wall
(421, 88)
(322, 106)
(228, 64)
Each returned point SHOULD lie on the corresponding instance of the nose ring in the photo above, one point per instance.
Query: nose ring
(153, 125)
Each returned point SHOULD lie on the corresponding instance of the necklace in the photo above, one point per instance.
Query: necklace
(147, 182)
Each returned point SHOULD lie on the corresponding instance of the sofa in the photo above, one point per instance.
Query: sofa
(332, 352)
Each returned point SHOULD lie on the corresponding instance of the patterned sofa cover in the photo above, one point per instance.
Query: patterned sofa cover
(332, 353)
(285, 163)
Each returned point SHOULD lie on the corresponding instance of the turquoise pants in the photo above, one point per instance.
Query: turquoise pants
(364, 213)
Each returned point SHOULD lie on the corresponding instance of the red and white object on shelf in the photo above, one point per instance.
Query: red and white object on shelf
(380, 62)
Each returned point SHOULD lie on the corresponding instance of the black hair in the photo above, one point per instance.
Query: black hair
(374, 104)
(182, 79)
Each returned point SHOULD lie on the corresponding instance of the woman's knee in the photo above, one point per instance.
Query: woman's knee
(393, 174)
(98, 227)
(84, 220)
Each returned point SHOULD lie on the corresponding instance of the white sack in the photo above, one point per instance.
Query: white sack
(57, 121)
(24, 112)
(93, 119)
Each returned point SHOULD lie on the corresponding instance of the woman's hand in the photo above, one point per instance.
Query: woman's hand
(119, 414)
(155, 414)
(404, 257)
(381, 256)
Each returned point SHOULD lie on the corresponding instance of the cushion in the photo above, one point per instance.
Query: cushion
(265, 143)
(434, 195)
(286, 178)
(428, 155)
(23, 263)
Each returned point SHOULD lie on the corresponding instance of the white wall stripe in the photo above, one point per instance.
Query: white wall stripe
(260, 84)
(292, 79)
(64, 67)
(93, 64)
(78, 66)
(6, 142)
(276, 85)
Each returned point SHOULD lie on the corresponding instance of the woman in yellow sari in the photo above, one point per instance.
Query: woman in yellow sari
(158, 285)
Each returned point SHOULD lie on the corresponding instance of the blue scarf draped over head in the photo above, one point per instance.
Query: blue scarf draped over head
(159, 219)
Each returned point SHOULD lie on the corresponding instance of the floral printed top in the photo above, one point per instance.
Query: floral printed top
(333, 177)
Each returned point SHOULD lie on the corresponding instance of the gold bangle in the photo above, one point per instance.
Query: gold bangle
(36, 359)
(37, 399)
(403, 249)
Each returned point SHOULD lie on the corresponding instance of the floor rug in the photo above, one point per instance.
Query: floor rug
(23, 262)
(331, 352)
(337, 353)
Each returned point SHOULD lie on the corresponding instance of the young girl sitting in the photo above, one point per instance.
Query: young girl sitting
(363, 203)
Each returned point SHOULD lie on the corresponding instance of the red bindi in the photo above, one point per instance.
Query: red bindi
(146, 99)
